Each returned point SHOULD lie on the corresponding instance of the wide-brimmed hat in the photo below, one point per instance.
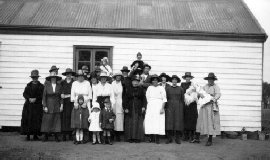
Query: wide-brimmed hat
(118, 74)
(165, 75)
(34, 73)
(135, 78)
(107, 100)
(68, 71)
(187, 74)
(85, 68)
(96, 105)
(125, 69)
(211, 75)
(80, 73)
(53, 68)
(154, 77)
(53, 75)
(146, 65)
(176, 77)
(103, 74)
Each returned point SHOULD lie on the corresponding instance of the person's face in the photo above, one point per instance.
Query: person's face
(53, 80)
(139, 57)
(103, 80)
(125, 74)
(163, 79)
(155, 82)
(80, 78)
(107, 105)
(94, 80)
(118, 78)
(174, 81)
(188, 79)
(135, 83)
(146, 70)
(34, 79)
(80, 101)
(210, 81)
(69, 75)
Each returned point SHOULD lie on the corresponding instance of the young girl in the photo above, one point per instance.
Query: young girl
(94, 123)
(106, 119)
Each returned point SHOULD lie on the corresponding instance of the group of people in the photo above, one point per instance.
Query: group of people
(133, 103)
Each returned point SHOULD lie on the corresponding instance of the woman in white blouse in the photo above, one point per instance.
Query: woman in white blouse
(105, 66)
(155, 115)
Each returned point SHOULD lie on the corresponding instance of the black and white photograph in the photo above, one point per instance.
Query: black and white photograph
(134, 80)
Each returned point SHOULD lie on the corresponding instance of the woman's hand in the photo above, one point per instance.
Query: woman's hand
(63, 96)
(45, 109)
(111, 120)
(162, 110)
(76, 105)
(143, 110)
(126, 111)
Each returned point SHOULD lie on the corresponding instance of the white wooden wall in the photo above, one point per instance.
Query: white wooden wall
(238, 65)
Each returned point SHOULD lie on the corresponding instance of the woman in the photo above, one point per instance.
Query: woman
(155, 117)
(32, 109)
(80, 112)
(67, 104)
(174, 110)
(105, 66)
(190, 111)
(164, 79)
(134, 107)
(103, 90)
(117, 107)
(208, 122)
(94, 83)
(52, 106)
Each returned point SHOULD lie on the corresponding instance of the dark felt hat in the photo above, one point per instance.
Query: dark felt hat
(210, 76)
(85, 68)
(34, 73)
(146, 65)
(53, 68)
(164, 75)
(69, 70)
(135, 78)
(187, 74)
(107, 100)
(154, 77)
(176, 77)
(125, 69)
(53, 75)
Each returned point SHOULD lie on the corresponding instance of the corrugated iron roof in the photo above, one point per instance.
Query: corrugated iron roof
(217, 16)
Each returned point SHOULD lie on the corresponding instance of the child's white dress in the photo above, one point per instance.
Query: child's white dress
(94, 125)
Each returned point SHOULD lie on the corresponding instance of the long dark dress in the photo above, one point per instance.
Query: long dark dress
(51, 121)
(67, 107)
(135, 101)
(190, 111)
(174, 110)
(32, 112)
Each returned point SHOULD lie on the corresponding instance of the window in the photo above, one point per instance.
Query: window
(90, 56)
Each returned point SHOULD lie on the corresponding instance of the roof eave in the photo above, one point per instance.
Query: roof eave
(170, 34)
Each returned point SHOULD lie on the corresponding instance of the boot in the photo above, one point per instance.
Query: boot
(186, 135)
(35, 138)
(177, 138)
(151, 138)
(109, 140)
(157, 139)
(104, 140)
(196, 139)
(64, 137)
(56, 138)
(45, 138)
(209, 141)
(169, 137)
(28, 137)
(191, 136)
(70, 137)
(117, 136)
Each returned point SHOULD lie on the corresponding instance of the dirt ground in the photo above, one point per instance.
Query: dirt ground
(13, 146)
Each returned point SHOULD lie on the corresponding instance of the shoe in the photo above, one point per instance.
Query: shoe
(27, 138)
(130, 141)
(93, 143)
(56, 138)
(45, 139)
(104, 141)
(35, 138)
(64, 137)
(109, 140)
(195, 141)
(177, 141)
(70, 137)
(157, 139)
(76, 142)
(136, 141)
(83, 141)
(208, 143)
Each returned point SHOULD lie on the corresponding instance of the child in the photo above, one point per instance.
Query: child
(137, 64)
(79, 119)
(106, 119)
(94, 123)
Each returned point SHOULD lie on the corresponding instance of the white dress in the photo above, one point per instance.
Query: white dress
(117, 107)
(154, 121)
(81, 88)
(107, 69)
(94, 125)
(104, 90)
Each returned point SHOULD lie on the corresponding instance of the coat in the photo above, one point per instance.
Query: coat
(104, 117)
(190, 111)
(135, 101)
(51, 121)
(32, 112)
(174, 111)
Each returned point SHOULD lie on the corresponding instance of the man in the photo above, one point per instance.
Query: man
(145, 77)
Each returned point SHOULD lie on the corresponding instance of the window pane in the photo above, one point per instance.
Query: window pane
(84, 55)
(99, 55)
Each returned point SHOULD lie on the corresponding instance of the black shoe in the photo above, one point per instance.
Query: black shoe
(208, 143)
(169, 140)
(70, 137)
(83, 141)
(64, 137)
(27, 138)
(56, 138)
(195, 141)
(35, 138)
(157, 139)
(130, 141)
(177, 141)
(136, 141)
(45, 139)
(93, 143)
(76, 142)
(109, 140)
(104, 141)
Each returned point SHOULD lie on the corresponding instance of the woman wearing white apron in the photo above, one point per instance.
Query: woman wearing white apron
(155, 115)
(117, 107)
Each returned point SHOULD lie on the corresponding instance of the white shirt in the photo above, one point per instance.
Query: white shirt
(53, 86)
(104, 90)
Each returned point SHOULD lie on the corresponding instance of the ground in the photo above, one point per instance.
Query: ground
(13, 146)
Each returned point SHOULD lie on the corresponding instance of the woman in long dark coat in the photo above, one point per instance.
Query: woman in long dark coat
(67, 104)
(190, 111)
(174, 111)
(52, 106)
(32, 109)
(135, 104)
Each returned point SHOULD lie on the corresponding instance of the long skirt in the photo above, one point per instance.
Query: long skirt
(134, 126)
(118, 110)
(51, 123)
(154, 121)
(79, 118)
(208, 122)
(174, 115)
(66, 115)
(31, 119)
(190, 116)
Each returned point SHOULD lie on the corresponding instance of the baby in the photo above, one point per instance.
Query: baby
(191, 95)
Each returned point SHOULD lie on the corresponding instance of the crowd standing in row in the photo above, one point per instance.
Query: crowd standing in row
(131, 102)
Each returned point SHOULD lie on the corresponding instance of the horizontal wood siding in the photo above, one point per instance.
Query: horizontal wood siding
(238, 65)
